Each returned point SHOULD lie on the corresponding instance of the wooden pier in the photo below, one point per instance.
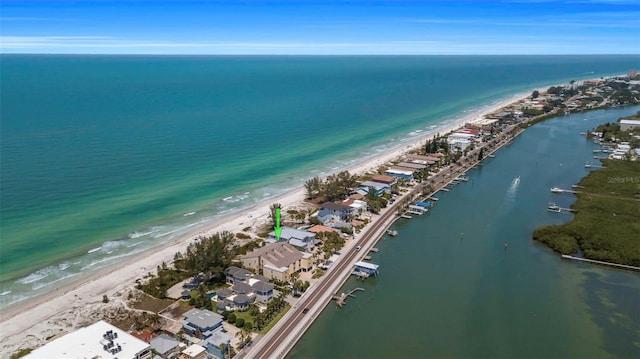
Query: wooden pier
(621, 266)
(341, 299)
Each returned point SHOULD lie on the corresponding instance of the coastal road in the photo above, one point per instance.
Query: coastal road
(278, 344)
(282, 337)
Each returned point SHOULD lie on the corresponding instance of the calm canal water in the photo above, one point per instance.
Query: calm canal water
(448, 288)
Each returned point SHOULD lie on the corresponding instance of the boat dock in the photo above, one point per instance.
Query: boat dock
(560, 190)
(406, 216)
(622, 266)
(341, 299)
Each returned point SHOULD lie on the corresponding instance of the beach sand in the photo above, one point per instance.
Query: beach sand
(28, 324)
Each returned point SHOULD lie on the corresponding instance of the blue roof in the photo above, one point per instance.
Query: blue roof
(423, 204)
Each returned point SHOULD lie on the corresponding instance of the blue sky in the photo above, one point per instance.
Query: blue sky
(320, 27)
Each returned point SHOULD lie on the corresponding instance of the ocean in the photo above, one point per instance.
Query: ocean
(103, 157)
(448, 288)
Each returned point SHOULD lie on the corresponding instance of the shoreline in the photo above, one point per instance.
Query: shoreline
(40, 317)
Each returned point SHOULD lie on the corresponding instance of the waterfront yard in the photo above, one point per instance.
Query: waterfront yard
(607, 221)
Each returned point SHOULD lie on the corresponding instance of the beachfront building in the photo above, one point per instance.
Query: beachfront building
(357, 207)
(458, 140)
(301, 239)
(98, 340)
(166, 346)
(405, 173)
(247, 288)
(626, 125)
(194, 351)
(378, 188)
(204, 327)
(424, 160)
(277, 261)
(415, 166)
(389, 180)
(333, 212)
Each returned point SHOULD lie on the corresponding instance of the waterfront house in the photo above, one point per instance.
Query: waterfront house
(378, 188)
(334, 212)
(205, 327)
(295, 237)
(235, 274)
(194, 351)
(389, 180)
(98, 340)
(415, 166)
(247, 288)
(201, 323)
(165, 345)
(403, 174)
(423, 160)
(277, 261)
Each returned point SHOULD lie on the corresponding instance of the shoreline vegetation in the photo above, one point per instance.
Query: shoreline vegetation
(123, 294)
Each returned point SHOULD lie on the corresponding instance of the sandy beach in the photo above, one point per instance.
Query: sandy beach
(30, 323)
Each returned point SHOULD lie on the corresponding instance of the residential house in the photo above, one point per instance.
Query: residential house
(334, 212)
(247, 288)
(194, 351)
(295, 237)
(458, 140)
(206, 326)
(378, 188)
(424, 160)
(415, 166)
(401, 172)
(277, 261)
(390, 180)
(165, 345)
(98, 340)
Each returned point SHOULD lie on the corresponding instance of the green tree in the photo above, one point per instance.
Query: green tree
(231, 318)
(240, 322)
(312, 187)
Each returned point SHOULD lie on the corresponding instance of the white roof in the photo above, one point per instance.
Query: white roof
(461, 135)
(400, 172)
(88, 342)
(194, 350)
(367, 265)
(281, 269)
(630, 122)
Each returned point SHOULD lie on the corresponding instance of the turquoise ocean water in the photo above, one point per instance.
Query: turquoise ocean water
(104, 156)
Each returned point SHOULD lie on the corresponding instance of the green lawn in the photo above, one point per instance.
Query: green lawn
(249, 318)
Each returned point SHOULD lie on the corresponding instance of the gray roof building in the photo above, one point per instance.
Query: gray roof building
(279, 254)
(262, 286)
(203, 319)
(164, 344)
(241, 288)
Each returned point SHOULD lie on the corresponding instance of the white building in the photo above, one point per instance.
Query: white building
(460, 140)
(626, 125)
(99, 340)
